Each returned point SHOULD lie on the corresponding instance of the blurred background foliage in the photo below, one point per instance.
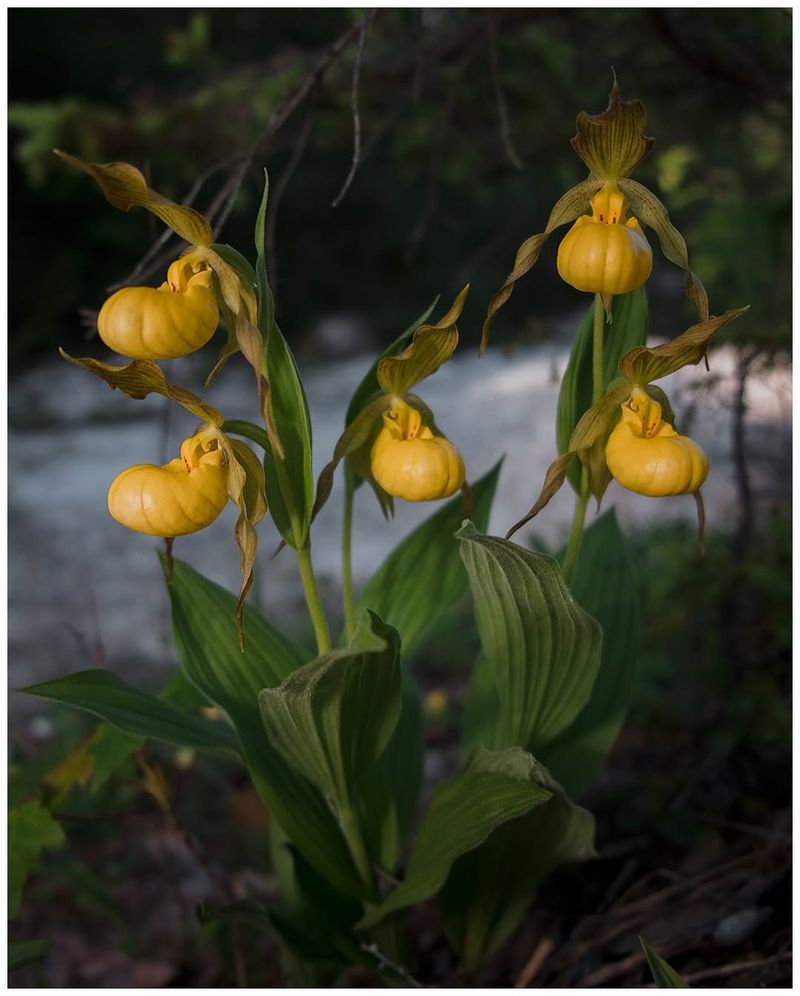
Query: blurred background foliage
(465, 119)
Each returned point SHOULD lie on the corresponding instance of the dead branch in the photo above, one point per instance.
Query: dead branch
(362, 36)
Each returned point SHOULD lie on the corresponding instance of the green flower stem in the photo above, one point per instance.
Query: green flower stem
(302, 549)
(237, 427)
(582, 498)
(315, 609)
(351, 828)
(347, 567)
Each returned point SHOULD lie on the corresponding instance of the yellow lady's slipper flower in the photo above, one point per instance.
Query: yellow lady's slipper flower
(409, 462)
(150, 323)
(606, 253)
(645, 454)
(185, 495)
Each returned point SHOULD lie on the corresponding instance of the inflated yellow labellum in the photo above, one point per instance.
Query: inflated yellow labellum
(181, 497)
(143, 377)
(409, 461)
(645, 454)
(605, 253)
(125, 187)
(645, 363)
(430, 347)
(570, 206)
(162, 323)
(613, 143)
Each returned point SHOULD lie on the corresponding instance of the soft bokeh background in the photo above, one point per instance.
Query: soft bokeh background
(465, 120)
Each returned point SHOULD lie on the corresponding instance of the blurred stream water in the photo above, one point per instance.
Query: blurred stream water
(84, 591)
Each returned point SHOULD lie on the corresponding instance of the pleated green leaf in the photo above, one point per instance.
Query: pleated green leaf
(493, 787)
(605, 584)
(543, 648)
(332, 719)
(423, 576)
(105, 695)
(664, 975)
(289, 479)
(490, 889)
(627, 329)
(205, 637)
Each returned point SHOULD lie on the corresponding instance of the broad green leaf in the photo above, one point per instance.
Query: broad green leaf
(403, 760)
(490, 889)
(430, 347)
(423, 576)
(104, 695)
(493, 787)
(613, 143)
(568, 207)
(643, 364)
(481, 722)
(605, 584)
(289, 479)
(627, 329)
(208, 648)
(110, 748)
(664, 976)
(142, 377)
(125, 187)
(651, 212)
(31, 828)
(544, 650)
(332, 719)
(21, 953)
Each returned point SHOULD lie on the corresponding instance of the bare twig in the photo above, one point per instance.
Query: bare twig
(499, 97)
(385, 962)
(154, 259)
(739, 966)
(362, 37)
(541, 953)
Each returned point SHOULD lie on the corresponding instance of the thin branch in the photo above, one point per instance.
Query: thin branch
(154, 259)
(362, 37)
(499, 97)
(385, 962)
(541, 953)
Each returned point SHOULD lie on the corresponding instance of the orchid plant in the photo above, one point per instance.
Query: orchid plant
(333, 742)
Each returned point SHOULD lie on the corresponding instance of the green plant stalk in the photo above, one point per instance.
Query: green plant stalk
(313, 601)
(347, 566)
(582, 498)
(351, 828)
(302, 549)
